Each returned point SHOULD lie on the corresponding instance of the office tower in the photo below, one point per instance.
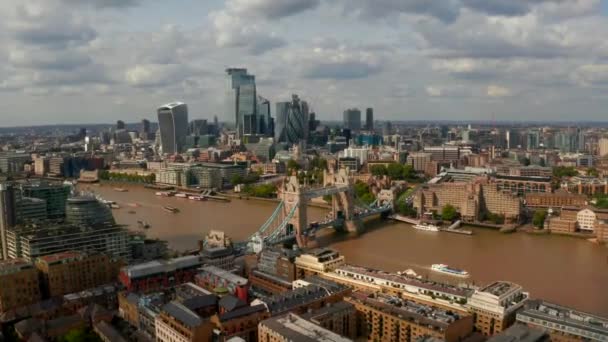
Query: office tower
(292, 121)
(387, 128)
(352, 119)
(198, 127)
(8, 216)
(264, 117)
(508, 139)
(313, 123)
(87, 211)
(369, 119)
(120, 125)
(173, 125)
(55, 195)
(241, 101)
(145, 126)
(532, 139)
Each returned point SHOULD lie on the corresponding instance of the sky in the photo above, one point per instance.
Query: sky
(98, 61)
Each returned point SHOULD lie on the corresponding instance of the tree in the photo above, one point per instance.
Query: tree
(80, 335)
(378, 170)
(409, 172)
(406, 209)
(449, 213)
(395, 171)
(368, 198)
(292, 165)
(593, 172)
(539, 218)
(236, 179)
(564, 171)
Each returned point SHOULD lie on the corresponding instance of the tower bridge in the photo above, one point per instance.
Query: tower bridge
(289, 221)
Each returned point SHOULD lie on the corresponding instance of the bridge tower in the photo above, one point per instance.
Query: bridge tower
(343, 201)
(292, 195)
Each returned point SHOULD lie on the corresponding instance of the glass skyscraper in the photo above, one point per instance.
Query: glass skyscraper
(173, 126)
(352, 119)
(292, 121)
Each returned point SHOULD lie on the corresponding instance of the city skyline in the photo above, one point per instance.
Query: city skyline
(409, 60)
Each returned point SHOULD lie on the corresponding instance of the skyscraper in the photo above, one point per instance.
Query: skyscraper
(7, 216)
(120, 125)
(292, 121)
(352, 119)
(241, 100)
(369, 119)
(173, 125)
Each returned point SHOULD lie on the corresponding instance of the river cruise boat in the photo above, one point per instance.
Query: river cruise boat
(426, 227)
(443, 268)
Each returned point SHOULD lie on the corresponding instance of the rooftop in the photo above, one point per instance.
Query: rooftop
(520, 333)
(223, 274)
(421, 314)
(182, 314)
(406, 280)
(60, 257)
(499, 288)
(295, 328)
(286, 301)
(545, 311)
(13, 266)
(156, 267)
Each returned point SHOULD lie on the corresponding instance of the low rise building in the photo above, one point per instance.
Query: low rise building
(387, 318)
(73, 271)
(562, 323)
(292, 327)
(241, 322)
(156, 275)
(557, 199)
(177, 323)
(494, 306)
(314, 293)
(19, 284)
(401, 285)
(222, 257)
(219, 280)
(317, 261)
(340, 318)
(586, 185)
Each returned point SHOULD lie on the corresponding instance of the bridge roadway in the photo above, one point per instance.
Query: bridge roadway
(325, 191)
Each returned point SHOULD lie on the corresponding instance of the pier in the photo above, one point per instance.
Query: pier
(455, 228)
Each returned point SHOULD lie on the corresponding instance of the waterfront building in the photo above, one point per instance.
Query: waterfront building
(562, 323)
(173, 126)
(386, 318)
(292, 327)
(520, 333)
(31, 240)
(275, 271)
(573, 219)
(317, 261)
(352, 119)
(205, 177)
(71, 272)
(369, 119)
(216, 279)
(221, 257)
(401, 285)
(159, 274)
(560, 198)
(522, 185)
(586, 185)
(19, 284)
(177, 323)
(88, 211)
(55, 195)
(494, 306)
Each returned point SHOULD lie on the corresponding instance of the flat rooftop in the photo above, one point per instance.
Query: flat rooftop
(561, 315)
(499, 288)
(13, 266)
(223, 274)
(426, 315)
(406, 280)
(60, 257)
(295, 328)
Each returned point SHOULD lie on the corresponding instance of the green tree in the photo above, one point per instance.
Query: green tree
(368, 198)
(395, 171)
(409, 172)
(406, 209)
(236, 179)
(378, 170)
(80, 335)
(564, 171)
(538, 220)
(593, 172)
(292, 165)
(449, 213)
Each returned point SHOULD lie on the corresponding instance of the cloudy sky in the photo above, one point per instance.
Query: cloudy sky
(85, 61)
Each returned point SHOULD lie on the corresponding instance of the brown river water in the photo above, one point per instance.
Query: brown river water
(569, 271)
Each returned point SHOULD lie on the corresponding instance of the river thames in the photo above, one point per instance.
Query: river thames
(569, 271)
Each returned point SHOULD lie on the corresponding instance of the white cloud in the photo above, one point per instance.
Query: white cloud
(497, 91)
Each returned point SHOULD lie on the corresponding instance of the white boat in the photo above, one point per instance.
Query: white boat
(181, 195)
(443, 268)
(427, 227)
